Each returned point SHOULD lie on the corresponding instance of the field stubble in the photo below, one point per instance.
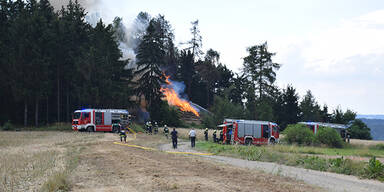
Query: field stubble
(39, 161)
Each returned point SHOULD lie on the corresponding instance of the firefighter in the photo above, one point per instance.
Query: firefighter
(214, 136)
(166, 131)
(123, 135)
(174, 138)
(156, 128)
(150, 127)
(147, 127)
(228, 139)
(206, 134)
(192, 136)
(221, 136)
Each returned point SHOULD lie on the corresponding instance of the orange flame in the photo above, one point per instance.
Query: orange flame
(173, 98)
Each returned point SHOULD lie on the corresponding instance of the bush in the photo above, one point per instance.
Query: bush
(379, 146)
(374, 170)
(299, 134)
(165, 114)
(359, 130)
(8, 126)
(313, 162)
(329, 137)
(137, 127)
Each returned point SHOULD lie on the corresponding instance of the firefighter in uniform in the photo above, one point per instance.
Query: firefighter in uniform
(214, 136)
(150, 127)
(221, 136)
(174, 138)
(123, 135)
(166, 131)
(206, 134)
(155, 128)
(147, 127)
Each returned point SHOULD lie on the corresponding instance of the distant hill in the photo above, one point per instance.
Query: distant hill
(376, 126)
(359, 116)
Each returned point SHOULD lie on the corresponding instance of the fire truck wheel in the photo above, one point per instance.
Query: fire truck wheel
(115, 130)
(90, 129)
(272, 141)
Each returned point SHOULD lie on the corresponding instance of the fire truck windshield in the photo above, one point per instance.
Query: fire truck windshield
(76, 115)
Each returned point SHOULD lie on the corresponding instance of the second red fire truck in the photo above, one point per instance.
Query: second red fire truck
(249, 132)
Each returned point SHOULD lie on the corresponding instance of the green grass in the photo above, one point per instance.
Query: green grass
(348, 150)
(294, 156)
(137, 128)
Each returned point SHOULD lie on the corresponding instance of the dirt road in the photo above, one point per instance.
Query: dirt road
(329, 181)
(109, 167)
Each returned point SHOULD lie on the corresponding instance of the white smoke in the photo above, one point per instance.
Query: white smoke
(128, 34)
(129, 39)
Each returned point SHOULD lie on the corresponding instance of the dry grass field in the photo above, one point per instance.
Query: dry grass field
(71, 161)
(40, 161)
(365, 142)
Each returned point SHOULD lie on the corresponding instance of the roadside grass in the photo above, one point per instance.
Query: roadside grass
(293, 156)
(40, 161)
(348, 150)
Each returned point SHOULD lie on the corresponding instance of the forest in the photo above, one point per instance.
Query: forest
(53, 62)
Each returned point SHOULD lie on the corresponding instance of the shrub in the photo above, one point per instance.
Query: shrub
(379, 146)
(137, 127)
(8, 126)
(58, 182)
(345, 166)
(298, 134)
(313, 162)
(374, 170)
(329, 137)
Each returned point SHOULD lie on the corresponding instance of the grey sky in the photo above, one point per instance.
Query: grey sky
(333, 47)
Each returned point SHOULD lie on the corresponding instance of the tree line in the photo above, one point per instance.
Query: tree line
(53, 63)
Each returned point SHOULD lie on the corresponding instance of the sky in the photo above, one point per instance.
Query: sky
(335, 48)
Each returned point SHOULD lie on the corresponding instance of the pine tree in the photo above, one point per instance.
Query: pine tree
(195, 44)
(259, 69)
(209, 73)
(150, 58)
(290, 107)
(310, 110)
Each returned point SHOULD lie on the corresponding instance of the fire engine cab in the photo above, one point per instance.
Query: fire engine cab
(249, 132)
(100, 119)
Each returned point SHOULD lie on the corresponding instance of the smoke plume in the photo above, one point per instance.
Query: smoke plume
(128, 35)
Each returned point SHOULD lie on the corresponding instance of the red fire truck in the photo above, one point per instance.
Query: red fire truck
(340, 128)
(249, 132)
(99, 119)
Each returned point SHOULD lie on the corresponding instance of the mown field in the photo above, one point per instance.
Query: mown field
(87, 162)
(40, 161)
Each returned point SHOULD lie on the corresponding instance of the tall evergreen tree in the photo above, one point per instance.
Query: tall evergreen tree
(290, 111)
(259, 69)
(195, 44)
(187, 69)
(310, 110)
(209, 73)
(150, 58)
(237, 90)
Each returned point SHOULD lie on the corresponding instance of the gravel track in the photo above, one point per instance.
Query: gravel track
(328, 181)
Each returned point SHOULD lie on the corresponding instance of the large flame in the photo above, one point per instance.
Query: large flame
(173, 99)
